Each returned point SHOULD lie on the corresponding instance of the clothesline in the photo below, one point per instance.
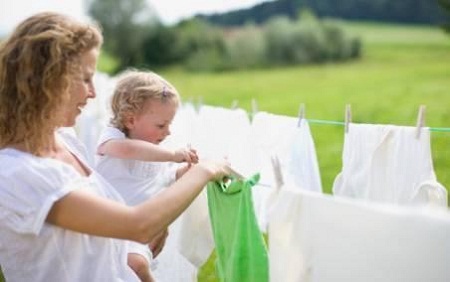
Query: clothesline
(328, 122)
(341, 123)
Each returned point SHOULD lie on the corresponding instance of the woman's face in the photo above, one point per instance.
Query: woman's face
(152, 125)
(82, 87)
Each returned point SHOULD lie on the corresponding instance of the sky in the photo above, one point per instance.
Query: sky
(170, 11)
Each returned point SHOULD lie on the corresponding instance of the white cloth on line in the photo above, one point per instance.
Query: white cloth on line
(183, 128)
(293, 145)
(215, 133)
(320, 238)
(195, 239)
(172, 266)
(387, 163)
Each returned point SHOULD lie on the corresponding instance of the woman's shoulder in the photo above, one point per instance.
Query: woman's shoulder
(13, 159)
(16, 164)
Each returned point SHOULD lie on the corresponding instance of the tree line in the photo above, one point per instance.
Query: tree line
(283, 32)
(400, 11)
(135, 37)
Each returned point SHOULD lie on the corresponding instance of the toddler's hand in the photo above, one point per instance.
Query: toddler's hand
(186, 155)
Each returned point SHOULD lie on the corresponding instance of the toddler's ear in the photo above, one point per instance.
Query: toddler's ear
(129, 121)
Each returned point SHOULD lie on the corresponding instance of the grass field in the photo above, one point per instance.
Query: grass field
(402, 67)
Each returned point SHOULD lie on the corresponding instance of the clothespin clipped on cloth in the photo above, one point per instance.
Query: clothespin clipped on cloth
(279, 182)
(234, 104)
(348, 117)
(236, 174)
(420, 120)
(254, 107)
(199, 103)
(301, 114)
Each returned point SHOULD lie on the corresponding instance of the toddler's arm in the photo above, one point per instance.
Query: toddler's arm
(145, 151)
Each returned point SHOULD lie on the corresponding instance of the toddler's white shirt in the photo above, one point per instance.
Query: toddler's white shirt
(136, 181)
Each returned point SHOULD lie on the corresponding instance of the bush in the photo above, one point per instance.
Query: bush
(308, 41)
(246, 49)
(199, 44)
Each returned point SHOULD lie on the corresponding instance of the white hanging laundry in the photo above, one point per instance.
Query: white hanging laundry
(387, 163)
(219, 133)
(225, 133)
(195, 239)
(276, 135)
(320, 238)
(280, 136)
(171, 266)
(183, 128)
(303, 167)
(211, 140)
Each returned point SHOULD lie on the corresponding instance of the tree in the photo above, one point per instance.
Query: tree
(126, 25)
(445, 4)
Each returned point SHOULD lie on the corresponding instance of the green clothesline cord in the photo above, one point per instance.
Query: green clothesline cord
(318, 121)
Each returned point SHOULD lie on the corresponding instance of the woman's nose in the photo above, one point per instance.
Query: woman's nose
(91, 91)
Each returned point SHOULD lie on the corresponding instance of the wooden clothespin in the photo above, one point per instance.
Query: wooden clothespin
(279, 182)
(254, 107)
(348, 117)
(420, 120)
(199, 103)
(301, 114)
(236, 174)
(234, 104)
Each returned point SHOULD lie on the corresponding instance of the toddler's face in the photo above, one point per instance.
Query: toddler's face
(152, 125)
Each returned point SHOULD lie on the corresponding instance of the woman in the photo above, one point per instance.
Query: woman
(58, 217)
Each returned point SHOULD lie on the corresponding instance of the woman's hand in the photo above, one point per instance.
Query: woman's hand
(216, 170)
(157, 244)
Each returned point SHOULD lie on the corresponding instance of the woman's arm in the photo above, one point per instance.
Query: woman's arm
(84, 212)
(145, 151)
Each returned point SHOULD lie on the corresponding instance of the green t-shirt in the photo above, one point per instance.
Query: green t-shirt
(240, 247)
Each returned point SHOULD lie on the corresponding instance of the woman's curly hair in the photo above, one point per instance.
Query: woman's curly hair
(37, 64)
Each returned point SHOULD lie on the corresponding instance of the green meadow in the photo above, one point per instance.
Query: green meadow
(401, 68)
